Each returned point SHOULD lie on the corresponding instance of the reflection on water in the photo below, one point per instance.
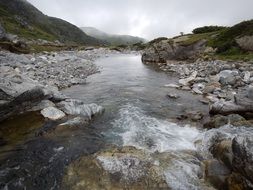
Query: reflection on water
(137, 113)
(15, 131)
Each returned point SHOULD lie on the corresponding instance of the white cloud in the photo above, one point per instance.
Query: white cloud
(148, 18)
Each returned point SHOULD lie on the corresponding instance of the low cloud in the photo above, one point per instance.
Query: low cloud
(148, 18)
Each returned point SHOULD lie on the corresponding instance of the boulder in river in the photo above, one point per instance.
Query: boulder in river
(216, 173)
(22, 102)
(52, 113)
(242, 147)
(220, 120)
(78, 107)
(242, 104)
(122, 168)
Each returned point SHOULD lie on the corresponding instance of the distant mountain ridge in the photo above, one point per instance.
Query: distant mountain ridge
(23, 19)
(112, 39)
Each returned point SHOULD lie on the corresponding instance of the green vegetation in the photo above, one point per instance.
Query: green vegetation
(48, 48)
(225, 41)
(236, 57)
(21, 18)
(157, 40)
(207, 29)
(193, 38)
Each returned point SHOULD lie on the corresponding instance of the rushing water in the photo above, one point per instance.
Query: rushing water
(138, 114)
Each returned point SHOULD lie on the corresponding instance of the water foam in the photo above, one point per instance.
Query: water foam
(151, 134)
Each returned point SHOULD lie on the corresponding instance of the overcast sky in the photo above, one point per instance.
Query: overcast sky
(147, 18)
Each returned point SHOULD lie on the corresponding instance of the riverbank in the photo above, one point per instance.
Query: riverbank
(148, 127)
(34, 80)
(227, 87)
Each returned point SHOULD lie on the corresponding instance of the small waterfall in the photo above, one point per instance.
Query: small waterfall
(150, 134)
(169, 146)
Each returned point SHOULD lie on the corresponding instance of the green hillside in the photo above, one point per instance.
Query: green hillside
(21, 18)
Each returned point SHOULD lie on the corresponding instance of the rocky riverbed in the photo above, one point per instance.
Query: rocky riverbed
(227, 87)
(146, 138)
(31, 82)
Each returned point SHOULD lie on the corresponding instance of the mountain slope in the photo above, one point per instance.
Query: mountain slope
(112, 38)
(21, 18)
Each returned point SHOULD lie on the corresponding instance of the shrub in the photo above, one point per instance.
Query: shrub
(226, 39)
(206, 29)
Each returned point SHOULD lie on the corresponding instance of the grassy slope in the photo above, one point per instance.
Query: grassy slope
(224, 41)
(39, 26)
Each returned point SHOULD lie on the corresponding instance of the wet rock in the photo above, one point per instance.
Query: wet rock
(68, 127)
(237, 182)
(22, 102)
(76, 121)
(52, 113)
(244, 123)
(216, 122)
(235, 118)
(223, 152)
(216, 173)
(227, 107)
(220, 120)
(192, 115)
(172, 86)
(242, 147)
(114, 169)
(78, 107)
(42, 105)
(174, 96)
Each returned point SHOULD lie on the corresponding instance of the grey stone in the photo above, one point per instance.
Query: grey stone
(242, 147)
(52, 113)
(174, 96)
(245, 42)
(162, 50)
(78, 107)
(250, 92)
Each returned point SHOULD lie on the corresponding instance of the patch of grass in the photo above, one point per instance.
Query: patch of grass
(12, 26)
(157, 40)
(235, 55)
(193, 38)
(225, 41)
(15, 48)
(48, 48)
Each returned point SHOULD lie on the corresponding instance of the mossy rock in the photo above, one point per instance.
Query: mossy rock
(114, 169)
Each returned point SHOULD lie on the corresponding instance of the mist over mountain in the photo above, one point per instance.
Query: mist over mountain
(112, 39)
